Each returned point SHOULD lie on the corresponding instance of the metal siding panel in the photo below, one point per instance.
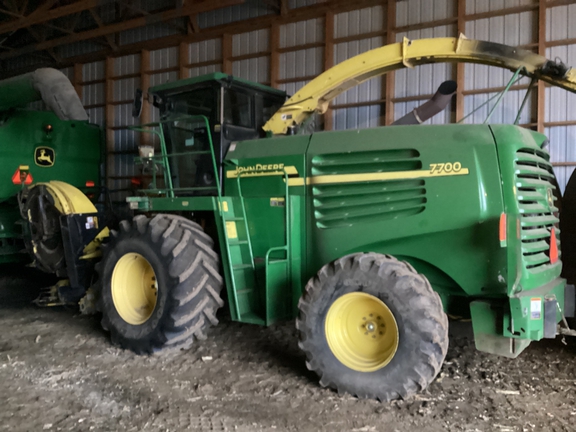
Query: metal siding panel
(559, 22)
(251, 42)
(302, 63)
(96, 116)
(163, 78)
(126, 65)
(93, 71)
(164, 58)
(560, 103)
(77, 48)
(295, 4)
(513, 29)
(124, 89)
(419, 11)
(293, 87)
(561, 150)
(302, 32)
(504, 113)
(69, 72)
(123, 116)
(359, 21)
(197, 71)
(357, 117)
(93, 94)
(205, 51)
(482, 76)
(126, 140)
(480, 6)
(256, 69)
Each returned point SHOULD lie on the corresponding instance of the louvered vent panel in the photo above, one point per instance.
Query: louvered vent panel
(348, 203)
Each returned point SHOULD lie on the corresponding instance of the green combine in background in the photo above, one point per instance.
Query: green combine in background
(368, 237)
(38, 147)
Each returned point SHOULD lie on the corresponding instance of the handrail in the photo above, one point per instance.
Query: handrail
(316, 95)
(287, 247)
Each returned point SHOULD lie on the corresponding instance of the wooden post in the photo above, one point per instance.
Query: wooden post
(328, 61)
(274, 54)
(227, 53)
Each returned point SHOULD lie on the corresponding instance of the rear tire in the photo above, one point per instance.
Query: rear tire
(172, 256)
(371, 326)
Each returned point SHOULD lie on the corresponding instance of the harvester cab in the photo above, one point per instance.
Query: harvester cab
(213, 108)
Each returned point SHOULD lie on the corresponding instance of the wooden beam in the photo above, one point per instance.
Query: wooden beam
(304, 13)
(122, 26)
(100, 24)
(227, 53)
(274, 54)
(42, 16)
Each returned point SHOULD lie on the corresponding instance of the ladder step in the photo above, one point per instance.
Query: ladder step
(241, 266)
(233, 218)
(245, 291)
(237, 242)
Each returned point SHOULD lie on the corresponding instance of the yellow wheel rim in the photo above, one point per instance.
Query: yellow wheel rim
(134, 288)
(361, 332)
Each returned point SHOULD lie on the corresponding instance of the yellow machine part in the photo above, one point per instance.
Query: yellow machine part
(70, 200)
(316, 95)
(361, 332)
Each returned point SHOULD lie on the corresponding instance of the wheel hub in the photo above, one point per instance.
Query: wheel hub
(361, 332)
(134, 288)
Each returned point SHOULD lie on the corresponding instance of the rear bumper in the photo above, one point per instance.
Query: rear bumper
(527, 311)
(507, 327)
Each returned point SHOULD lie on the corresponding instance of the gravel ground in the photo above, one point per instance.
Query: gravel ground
(59, 372)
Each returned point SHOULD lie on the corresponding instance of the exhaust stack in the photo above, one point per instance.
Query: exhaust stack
(431, 107)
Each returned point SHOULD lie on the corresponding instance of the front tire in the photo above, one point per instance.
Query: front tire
(159, 284)
(371, 326)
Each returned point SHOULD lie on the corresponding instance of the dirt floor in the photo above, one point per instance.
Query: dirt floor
(59, 372)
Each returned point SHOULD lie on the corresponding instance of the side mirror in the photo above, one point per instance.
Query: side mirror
(137, 105)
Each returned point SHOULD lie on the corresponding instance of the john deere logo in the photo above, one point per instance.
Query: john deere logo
(44, 156)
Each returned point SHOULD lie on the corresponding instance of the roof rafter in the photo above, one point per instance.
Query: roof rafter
(100, 24)
(109, 29)
(42, 14)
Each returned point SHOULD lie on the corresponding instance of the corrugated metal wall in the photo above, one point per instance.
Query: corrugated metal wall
(303, 48)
